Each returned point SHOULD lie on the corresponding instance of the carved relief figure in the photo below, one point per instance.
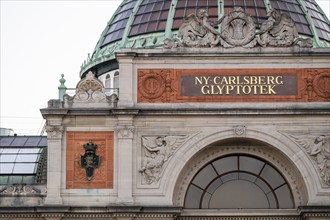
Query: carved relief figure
(157, 151)
(196, 31)
(279, 30)
(318, 147)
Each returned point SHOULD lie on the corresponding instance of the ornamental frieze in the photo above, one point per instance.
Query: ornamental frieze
(237, 30)
(19, 189)
(233, 85)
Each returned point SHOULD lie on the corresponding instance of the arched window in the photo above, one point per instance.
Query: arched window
(107, 81)
(238, 182)
(116, 80)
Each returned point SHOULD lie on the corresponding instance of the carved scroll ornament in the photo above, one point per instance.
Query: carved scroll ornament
(90, 91)
(237, 30)
(157, 151)
(21, 189)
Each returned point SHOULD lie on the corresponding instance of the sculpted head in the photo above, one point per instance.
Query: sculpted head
(202, 13)
(320, 138)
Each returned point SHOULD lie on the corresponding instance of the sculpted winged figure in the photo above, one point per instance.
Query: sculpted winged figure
(318, 147)
(196, 30)
(157, 151)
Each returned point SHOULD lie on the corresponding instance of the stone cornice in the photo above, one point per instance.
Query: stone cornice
(199, 109)
(225, 52)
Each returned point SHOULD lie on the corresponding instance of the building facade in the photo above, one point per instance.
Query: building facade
(210, 120)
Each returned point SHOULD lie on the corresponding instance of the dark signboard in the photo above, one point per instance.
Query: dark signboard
(239, 85)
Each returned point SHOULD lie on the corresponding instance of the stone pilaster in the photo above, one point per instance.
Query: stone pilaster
(54, 161)
(125, 132)
(126, 83)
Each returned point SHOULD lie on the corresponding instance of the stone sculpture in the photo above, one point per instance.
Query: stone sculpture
(237, 30)
(196, 31)
(318, 147)
(279, 30)
(157, 151)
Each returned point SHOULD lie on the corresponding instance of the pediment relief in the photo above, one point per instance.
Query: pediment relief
(238, 29)
(90, 92)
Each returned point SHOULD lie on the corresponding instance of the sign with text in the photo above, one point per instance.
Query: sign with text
(233, 85)
(239, 85)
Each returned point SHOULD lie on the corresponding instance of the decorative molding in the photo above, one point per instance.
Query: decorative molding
(157, 150)
(155, 85)
(321, 84)
(125, 131)
(240, 218)
(238, 29)
(19, 189)
(54, 131)
(90, 91)
(240, 130)
(317, 146)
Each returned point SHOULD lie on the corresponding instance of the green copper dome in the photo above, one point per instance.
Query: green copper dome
(146, 23)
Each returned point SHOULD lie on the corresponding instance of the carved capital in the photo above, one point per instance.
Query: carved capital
(125, 132)
(54, 132)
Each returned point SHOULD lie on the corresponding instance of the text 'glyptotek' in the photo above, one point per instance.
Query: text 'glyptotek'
(238, 85)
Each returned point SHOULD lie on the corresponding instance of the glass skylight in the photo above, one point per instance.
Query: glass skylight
(19, 160)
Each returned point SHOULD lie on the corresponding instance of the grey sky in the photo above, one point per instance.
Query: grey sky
(40, 40)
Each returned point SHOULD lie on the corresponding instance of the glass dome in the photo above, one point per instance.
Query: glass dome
(146, 23)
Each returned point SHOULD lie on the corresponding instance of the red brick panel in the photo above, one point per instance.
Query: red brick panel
(75, 174)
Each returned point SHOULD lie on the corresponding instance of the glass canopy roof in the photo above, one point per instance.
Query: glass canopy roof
(22, 159)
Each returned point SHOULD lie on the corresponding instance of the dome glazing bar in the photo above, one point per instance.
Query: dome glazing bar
(267, 5)
(169, 24)
(99, 44)
(312, 26)
(129, 23)
(221, 11)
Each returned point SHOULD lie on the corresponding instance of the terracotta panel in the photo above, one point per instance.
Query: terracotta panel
(233, 85)
(75, 174)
